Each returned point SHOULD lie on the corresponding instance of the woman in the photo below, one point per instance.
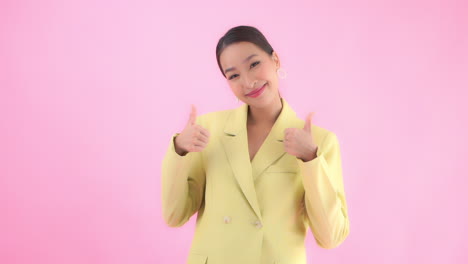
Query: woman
(257, 175)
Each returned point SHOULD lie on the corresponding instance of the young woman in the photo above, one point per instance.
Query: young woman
(258, 175)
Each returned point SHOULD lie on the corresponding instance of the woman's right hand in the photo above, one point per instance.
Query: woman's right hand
(193, 138)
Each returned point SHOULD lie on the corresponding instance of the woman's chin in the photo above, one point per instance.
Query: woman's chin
(262, 101)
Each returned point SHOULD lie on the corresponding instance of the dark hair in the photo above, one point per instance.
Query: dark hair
(242, 33)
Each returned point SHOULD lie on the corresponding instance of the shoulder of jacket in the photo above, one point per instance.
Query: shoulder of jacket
(322, 134)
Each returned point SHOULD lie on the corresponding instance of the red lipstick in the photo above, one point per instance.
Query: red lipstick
(257, 93)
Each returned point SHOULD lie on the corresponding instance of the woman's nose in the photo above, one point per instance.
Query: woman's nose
(250, 83)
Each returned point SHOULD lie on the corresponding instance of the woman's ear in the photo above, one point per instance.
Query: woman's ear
(275, 58)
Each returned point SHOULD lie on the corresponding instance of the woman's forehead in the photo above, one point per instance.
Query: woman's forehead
(237, 53)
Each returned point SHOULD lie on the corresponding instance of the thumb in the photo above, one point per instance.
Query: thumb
(308, 122)
(193, 116)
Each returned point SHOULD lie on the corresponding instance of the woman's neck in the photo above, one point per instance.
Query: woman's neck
(266, 115)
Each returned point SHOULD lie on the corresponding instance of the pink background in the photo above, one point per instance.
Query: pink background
(91, 91)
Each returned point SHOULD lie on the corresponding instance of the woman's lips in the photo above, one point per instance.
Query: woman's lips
(257, 92)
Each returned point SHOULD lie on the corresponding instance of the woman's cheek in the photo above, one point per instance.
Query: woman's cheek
(265, 73)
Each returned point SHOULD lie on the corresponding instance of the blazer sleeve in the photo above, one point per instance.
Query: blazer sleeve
(324, 199)
(183, 185)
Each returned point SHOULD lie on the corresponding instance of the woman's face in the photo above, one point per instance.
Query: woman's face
(249, 69)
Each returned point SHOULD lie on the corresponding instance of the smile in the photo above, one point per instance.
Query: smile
(257, 92)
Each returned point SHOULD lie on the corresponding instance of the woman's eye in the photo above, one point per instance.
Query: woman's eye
(253, 64)
(232, 76)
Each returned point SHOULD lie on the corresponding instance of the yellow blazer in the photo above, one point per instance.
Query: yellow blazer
(259, 211)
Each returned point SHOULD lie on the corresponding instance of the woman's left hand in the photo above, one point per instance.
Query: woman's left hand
(299, 142)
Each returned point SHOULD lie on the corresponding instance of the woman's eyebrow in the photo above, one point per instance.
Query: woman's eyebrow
(245, 60)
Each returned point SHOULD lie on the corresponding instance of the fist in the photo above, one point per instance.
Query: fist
(193, 138)
(299, 142)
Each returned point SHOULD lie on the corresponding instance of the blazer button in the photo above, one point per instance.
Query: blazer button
(258, 224)
(227, 219)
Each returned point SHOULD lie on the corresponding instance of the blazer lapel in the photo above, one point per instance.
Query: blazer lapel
(236, 147)
(235, 143)
(272, 148)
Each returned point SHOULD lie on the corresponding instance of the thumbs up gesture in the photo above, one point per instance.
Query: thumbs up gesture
(299, 142)
(193, 138)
